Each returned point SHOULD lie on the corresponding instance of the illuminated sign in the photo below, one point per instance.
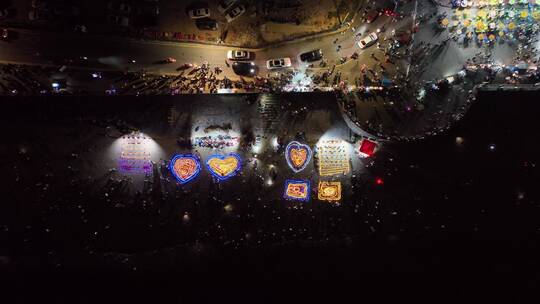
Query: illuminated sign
(297, 190)
(298, 156)
(185, 167)
(135, 154)
(224, 166)
(333, 157)
(329, 191)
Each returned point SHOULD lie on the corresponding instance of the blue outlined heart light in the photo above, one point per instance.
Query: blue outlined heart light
(224, 166)
(185, 167)
(297, 155)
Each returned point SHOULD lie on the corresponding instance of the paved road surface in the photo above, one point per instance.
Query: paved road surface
(116, 53)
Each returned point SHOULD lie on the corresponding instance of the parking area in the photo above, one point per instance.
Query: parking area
(247, 23)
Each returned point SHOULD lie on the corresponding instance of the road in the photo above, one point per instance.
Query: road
(103, 52)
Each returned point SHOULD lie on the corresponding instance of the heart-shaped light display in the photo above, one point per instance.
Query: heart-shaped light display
(224, 166)
(297, 155)
(185, 167)
(297, 190)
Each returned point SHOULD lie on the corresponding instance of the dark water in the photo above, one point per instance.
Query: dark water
(468, 208)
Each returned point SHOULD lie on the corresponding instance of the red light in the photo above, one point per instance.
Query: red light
(368, 148)
(379, 181)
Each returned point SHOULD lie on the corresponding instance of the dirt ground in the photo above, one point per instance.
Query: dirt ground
(263, 22)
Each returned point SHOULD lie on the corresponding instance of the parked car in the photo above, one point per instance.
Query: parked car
(65, 10)
(40, 4)
(224, 5)
(185, 66)
(206, 24)
(368, 41)
(150, 9)
(4, 33)
(165, 61)
(372, 16)
(197, 13)
(37, 14)
(118, 20)
(279, 63)
(244, 68)
(235, 13)
(312, 55)
(4, 14)
(119, 7)
(239, 55)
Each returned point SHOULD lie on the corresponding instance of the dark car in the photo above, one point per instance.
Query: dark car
(206, 24)
(244, 68)
(65, 10)
(312, 55)
(372, 16)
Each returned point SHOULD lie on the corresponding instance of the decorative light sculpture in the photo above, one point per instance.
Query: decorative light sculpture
(297, 190)
(329, 191)
(185, 167)
(225, 166)
(298, 156)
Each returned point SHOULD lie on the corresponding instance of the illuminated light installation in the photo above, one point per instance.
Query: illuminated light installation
(368, 148)
(135, 154)
(297, 190)
(329, 191)
(224, 166)
(185, 167)
(333, 157)
(297, 155)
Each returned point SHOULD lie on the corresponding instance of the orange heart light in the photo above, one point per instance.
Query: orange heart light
(297, 155)
(185, 167)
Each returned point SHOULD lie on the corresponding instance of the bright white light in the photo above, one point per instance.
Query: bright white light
(55, 85)
(257, 147)
(275, 143)
(232, 139)
(135, 147)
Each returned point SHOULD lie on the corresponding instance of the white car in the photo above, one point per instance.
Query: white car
(235, 13)
(368, 41)
(238, 55)
(224, 5)
(278, 63)
(118, 20)
(199, 13)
